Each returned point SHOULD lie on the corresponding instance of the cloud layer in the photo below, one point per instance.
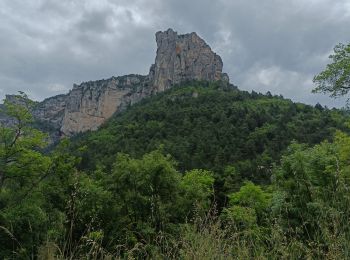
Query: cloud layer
(277, 46)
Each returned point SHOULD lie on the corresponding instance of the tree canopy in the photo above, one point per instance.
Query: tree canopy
(201, 171)
(335, 79)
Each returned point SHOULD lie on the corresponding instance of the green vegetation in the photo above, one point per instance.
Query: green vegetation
(335, 79)
(202, 171)
(236, 135)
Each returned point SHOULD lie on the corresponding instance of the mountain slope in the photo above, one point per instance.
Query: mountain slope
(179, 58)
(211, 126)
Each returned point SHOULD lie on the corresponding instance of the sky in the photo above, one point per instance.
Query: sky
(270, 45)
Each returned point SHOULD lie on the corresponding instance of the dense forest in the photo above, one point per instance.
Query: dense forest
(211, 126)
(201, 171)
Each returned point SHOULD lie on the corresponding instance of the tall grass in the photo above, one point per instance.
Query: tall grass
(209, 237)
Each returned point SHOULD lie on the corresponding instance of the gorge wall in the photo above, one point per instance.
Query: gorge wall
(179, 58)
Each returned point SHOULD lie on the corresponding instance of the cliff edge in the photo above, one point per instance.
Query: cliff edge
(179, 58)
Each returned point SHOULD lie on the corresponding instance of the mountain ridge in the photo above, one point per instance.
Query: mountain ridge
(86, 106)
(209, 125)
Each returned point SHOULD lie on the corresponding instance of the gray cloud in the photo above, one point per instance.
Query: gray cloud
(47, 45)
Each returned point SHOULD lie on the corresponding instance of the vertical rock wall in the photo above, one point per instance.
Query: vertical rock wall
(181, 58)
(92, 103)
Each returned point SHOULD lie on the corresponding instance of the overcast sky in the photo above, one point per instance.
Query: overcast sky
(275, 45)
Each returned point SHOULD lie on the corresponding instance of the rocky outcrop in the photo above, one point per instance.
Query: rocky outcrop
(182, 58)
(47, 115)
(7, 120)
(51, 111)
(179, 58)
(88, 105)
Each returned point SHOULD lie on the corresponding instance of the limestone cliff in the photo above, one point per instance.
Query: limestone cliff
(91, 103)
(179, 58)
(48, 114)
(51, 111)
(182, 58)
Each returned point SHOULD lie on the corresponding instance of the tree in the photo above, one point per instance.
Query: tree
(247, 205)
(144, 193)
(335, 79)
(22, 168)
(20, 158)
(197, 186)
(312, 190)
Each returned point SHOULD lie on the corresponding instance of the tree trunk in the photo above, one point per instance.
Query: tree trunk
(2, 178)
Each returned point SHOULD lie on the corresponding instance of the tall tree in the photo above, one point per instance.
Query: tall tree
(22, 168)
(20, 143)
(335, 79)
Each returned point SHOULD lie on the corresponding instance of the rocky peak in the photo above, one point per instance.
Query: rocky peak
(179, 58)
(182, 58)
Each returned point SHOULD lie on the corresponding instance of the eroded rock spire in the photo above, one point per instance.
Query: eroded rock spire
(181, 58)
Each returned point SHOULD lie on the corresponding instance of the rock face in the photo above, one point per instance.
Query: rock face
(16, 100)
(182, 58)
(48, 114)
(4, 118)
(88, 105)
(51, 110)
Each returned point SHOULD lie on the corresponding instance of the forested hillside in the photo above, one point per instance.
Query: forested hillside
(201, 171)
(212, 126)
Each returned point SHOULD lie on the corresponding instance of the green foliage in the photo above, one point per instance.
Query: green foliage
(150, 196)
(204, 126)
(198, 188)
(19, 144)
(248, 206)
(313, 197)
(252, 196)
(146, 192)
(118, 193)
(335, 79)
(22, 168)
(240, 216)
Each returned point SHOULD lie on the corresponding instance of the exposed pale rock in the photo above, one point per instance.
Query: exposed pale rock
(88, 105)
(181, 58)
(51, 110)
(47, 114)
